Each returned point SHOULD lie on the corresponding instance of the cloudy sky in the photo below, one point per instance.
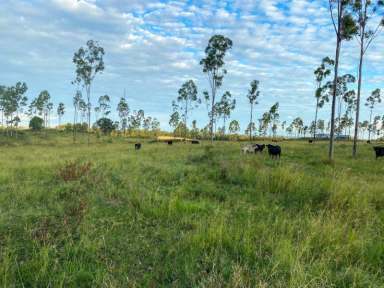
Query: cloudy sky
(152, 47)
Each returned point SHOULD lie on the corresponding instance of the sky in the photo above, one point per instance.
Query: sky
(152, 47)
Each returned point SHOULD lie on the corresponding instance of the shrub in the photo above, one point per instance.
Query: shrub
(36, 123)
(74, 171)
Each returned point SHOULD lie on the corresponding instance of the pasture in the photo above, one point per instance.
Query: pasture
(188, 215)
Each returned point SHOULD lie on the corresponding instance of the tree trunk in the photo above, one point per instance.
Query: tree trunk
(355, 138)
(250, 124)
(317, 110)
(338, 46)
(88, 89)
(370, 126)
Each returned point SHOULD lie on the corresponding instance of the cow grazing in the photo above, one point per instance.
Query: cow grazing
(248, 149)
(137, 146)
(195, 142)
(274, 151)
(379, 151)
(369, 142)
(310, 141)
(258, 147)
(170, 142)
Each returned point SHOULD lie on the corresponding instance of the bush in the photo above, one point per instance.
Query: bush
(36, 123)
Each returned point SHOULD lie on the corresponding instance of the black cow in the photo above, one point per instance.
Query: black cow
(379, 151)
(369, 142)
(195, 142)
(274, 151)
(170, 142)
(259, 147)
(137, 146)
(310, 141)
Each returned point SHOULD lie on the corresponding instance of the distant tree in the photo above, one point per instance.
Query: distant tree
(364, 11)
(345, 28)
(89, 62)
(342, 92)
(274, 117)
(106, 125)
(36, 123)
(213, 64)
(123, 110)
(186, 101)
(155, 126)
(225, 106)
(234, 127)
(251, 127)
(13, 101)
(252, 96)
(48, 112)
(321, 125)
(77, 99)
(60, 111)
(174, 120)
(298, 124)
(371, 102)
(104, 106)
(321, 73)
(41, 106)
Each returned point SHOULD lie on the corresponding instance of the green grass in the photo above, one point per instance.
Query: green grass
(188, 215)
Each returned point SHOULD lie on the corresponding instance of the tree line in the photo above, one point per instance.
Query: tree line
(351, 20)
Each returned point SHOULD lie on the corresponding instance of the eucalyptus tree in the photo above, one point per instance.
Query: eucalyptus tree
(251, 127)
(253, 94)
(345, 28)
(234, 127)
(186, 101)
(174, 120)
(225, 107)
(49, 108)
(372, 100)
(213, 64)
(155, 126)
(123, 111)
(89, 62)
(298, 124)
(364, 12)
(321, 73)
(274, 116)
(14, 100)
(40, 105)
(342, 93)
(60, 111)
(266, 119)
(104, 105)
(77, 99)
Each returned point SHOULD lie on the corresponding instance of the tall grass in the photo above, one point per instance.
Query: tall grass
(188, 216)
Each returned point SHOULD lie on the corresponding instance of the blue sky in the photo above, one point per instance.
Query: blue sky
(152, 47)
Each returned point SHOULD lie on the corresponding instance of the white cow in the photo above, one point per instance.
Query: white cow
(248, 149)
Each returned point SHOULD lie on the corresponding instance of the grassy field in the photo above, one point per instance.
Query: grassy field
(188, 215)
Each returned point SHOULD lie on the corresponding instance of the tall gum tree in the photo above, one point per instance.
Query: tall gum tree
(321, 73)
(345, 27)
(213, 64)
(364, 11)
(89, 62)
(252, 96)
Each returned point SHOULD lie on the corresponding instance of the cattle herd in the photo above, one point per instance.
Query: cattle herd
(274, 151)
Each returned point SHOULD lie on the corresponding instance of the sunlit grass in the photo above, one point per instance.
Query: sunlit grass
(188, 215)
